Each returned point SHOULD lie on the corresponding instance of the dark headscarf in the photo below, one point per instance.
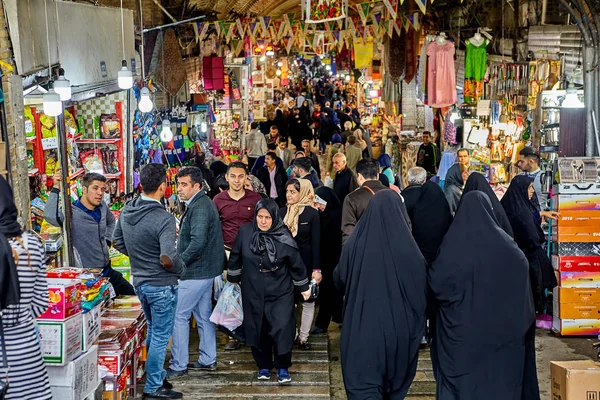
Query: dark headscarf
(453, 187)
(430, 218)
(384, 161)
(383, 276)
(477, 181)
(523, 213)
(483, 292)
(265, 241)
(10, 292)
(218, 167)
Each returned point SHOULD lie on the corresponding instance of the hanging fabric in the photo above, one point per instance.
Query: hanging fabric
(441, 80)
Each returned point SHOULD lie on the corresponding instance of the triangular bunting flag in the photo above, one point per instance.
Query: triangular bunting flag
(226, 31)
(366, 32)
(197, 29)
(390, 29)
(252, 28)
(401, 2)
(331, 25)
(376, 21)
(276, 25)
(398, 25)
(410, 18)
(265, 21)
(218, 28)
(390, 8)
(291, 17)
(340, 23)
(417, 21)
(363, 11)
(336, 36)
(406, 24)
(240, 27)
(422, 5)
(222, 32)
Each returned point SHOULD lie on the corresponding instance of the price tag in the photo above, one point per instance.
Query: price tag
(50, 143)
(483, 108)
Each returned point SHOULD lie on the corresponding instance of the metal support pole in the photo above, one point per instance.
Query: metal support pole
(128, 139)
(142, 35)
(4, 127)
(63, 155)
(588, 92)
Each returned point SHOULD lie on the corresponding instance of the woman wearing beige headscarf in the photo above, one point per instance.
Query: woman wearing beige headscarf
(304, 223)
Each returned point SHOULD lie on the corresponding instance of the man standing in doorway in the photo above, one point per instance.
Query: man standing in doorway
(200, 246)
(529, 163)
(344, 182)
(92, 227)
(428, 156)
(146, 233)
(236, 208)
(274, 178)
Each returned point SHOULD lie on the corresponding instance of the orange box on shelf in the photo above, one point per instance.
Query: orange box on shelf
(578, 311)
(577, 295)
(576, 202)
(579, 218)
(577, 234)
(576, 263)
(579, 279)
(576, 327)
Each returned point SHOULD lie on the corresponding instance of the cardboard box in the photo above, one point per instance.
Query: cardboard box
(91, 327)
(579, 279)
(576, 295)
(577, 188)
(119, 392)
(575, 380)
(576, 263)
(577, 310)
(61, 340)
(64, 300)
(577, 249)
(576, 202)
(576, 327)
(576, 234)
(111, 363)
(77, 379)
(579, 218)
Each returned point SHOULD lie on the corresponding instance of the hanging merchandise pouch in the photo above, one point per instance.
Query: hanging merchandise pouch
(229, 312)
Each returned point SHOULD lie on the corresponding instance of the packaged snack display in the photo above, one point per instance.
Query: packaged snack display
(110, 126)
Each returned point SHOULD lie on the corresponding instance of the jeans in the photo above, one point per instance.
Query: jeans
(195, 297)
(323, 146)
(159, 304)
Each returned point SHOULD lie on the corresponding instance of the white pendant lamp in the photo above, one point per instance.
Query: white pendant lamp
(62, 86)
(145, 104)
(125, 77)
(52, 104)
(166, 134)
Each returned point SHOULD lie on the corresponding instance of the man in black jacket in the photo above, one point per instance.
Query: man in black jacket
(274, 178)
(314, 159)
(345, 181)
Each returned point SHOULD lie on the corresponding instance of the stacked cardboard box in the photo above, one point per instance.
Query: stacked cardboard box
(576, 239)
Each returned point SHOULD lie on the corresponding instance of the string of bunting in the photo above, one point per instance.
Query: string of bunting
(290, 32)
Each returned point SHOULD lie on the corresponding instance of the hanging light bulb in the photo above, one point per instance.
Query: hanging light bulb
(278, 72)
(62, 86)
(52, 104)
(145, 104)
(572, 99)
(347, 78)
(280, 64)
(125, 77)
(166, 134)
(328, 67)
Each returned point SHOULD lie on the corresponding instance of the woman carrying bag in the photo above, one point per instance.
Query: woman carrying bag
(20, 345)
(265, 259)
(303, 221)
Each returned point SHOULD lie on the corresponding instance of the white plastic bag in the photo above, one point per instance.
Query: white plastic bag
(229, 312)
(218, 285)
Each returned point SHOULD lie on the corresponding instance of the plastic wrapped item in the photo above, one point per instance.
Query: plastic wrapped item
(229, 312)
(218, 285)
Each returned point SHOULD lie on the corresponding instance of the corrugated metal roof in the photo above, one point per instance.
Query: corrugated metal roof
(550, 40)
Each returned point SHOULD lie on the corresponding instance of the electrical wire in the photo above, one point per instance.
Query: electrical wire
(122, 30)
(48, 40)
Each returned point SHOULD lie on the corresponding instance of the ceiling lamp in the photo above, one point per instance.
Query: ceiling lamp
(145, 105)
(347, 78)
(258, 50)
(51, 103)
(62, 86)
(280, 64)
(572, 99)
(278, 72)
(125, 77)
(166, 134)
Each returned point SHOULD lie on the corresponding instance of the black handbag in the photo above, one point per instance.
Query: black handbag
(3, 382)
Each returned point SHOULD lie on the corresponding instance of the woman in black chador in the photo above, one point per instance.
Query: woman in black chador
(484, 346)
(265, 259)
(383, 276)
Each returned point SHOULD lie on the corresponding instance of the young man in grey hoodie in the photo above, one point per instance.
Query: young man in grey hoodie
(146, 233)
(92, 227)
(200, 245)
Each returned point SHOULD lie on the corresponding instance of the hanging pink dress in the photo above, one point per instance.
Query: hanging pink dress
(441, 76)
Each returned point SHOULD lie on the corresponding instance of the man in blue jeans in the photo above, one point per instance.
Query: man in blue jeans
(200, 246)
(146, 233)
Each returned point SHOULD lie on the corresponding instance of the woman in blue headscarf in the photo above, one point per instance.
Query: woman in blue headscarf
(385, 167)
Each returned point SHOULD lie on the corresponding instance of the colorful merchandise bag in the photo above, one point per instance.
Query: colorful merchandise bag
(229, 312)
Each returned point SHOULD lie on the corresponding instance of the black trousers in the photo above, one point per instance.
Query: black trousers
(331, 302)
(251, 162)
(120, 284)
(266, 356)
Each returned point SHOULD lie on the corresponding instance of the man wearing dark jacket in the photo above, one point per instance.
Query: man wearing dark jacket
(314, 159)
(146, 233)
(303, 170)
(356, 203)
(428, 156)
(92, 227)
(274, 178)
(200, 246)
(345, 181)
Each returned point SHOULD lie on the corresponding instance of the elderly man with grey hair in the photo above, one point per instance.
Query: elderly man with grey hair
(344, 182)
(417, 176)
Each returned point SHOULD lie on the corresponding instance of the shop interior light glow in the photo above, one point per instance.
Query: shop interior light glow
(280, 64)
(203, 127)
(62, 86)
(145, 104)
(125, 77)
(373, 93)
(263, 58)
(347, 78)
(51, 103)
(166, 134)
(572, 99)
(270, 52)
(278, 72)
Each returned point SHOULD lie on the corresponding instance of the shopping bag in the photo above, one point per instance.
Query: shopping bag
(229, 312)
(218, 285)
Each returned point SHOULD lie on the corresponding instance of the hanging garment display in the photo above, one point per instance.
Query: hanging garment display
(475, 66)
(449, 129)
(412, 54)
(213, 71)
(422, 72)
(441, 80)
(396, 55)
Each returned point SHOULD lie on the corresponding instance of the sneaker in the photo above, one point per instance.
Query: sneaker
(264, 374)
(172, 374)
(163, 393)
(201, 367)
(233, 344)
(167, 384)
(283, 376)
